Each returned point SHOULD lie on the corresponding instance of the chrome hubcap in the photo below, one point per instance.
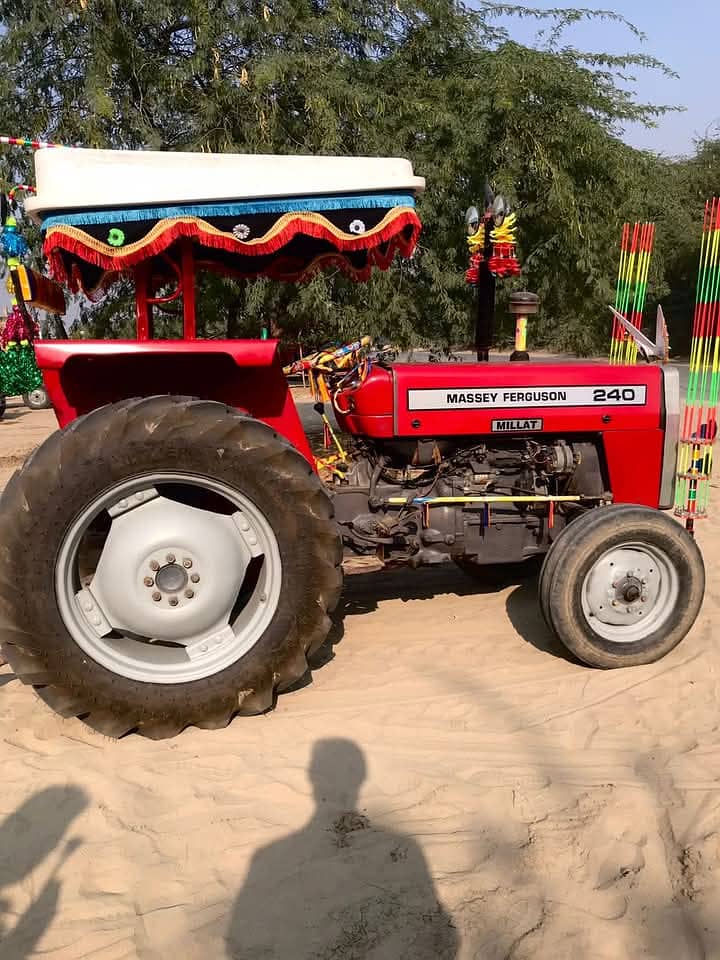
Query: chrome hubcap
(168, 579)
(629, 592)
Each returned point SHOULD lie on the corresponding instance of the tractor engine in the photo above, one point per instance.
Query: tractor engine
(411, 501)
(490, 461)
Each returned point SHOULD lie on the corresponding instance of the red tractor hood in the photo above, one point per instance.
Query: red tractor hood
(626, 407)
(470, 399)
(519, 397)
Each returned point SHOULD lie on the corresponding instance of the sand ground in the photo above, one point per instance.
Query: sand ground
(451, 785)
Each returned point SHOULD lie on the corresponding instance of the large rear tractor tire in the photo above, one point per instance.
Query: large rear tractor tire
(622, 586)
(165, 562)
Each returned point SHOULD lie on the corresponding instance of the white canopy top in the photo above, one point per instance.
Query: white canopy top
(74, 179)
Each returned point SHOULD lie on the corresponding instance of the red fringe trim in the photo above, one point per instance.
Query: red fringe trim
(393, 234)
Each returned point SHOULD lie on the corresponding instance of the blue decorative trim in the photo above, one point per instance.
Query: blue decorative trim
(285, 205)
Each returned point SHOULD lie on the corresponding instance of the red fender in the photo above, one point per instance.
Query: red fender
(83, 375)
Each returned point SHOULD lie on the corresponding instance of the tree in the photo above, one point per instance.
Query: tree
(432, 80)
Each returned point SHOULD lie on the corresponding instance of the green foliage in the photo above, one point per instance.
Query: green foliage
(432, 80)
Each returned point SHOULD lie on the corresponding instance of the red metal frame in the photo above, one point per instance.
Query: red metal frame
(145, 298)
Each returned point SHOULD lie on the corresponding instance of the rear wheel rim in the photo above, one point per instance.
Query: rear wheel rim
(630, 592)
(168, 577)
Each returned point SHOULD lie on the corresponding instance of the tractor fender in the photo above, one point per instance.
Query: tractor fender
(81, 376)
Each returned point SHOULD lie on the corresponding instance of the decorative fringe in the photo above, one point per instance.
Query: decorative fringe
(237, 209)
(398, 231)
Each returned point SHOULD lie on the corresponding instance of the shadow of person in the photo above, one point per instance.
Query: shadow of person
(339, 888)
(27, 837)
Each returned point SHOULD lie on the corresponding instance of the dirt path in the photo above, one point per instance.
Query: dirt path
(450, 785)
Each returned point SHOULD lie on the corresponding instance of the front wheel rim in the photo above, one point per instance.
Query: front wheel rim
(168, 577)
(630, 592)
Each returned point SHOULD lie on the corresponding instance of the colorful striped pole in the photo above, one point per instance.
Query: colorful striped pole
(699, 425)
(636, 246)
(20, 188)
(27, 142)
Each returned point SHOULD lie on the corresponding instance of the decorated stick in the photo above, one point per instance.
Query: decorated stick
(647, 239)
(20, 188)
(27, 142)
(628, 251)
(636, 247)
(699, 425)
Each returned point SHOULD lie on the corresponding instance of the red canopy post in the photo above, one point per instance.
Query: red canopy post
(143, 309)
(187, 266)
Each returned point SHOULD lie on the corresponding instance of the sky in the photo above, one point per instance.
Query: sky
(685, 35)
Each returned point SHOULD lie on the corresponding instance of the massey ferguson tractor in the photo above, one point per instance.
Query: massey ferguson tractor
(171, 555)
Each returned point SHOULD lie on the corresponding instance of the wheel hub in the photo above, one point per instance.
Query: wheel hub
(171, 578)
(628, 591)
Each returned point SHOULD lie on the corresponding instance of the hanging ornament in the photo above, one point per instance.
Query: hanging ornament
(504, 262)
(19, 373)
(472, 274)
(12, 244)
(357, 226)
(241, 231)
(476, 241)
(17, 329)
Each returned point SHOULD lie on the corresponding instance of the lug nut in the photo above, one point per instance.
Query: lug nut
(156, 595)
(154, 565)
(189, 594)
(170, 558)
(148, 581)
(195, 578)
(173, 601)
(187, 563)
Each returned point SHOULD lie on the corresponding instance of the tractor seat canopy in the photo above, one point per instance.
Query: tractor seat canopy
(105, 212)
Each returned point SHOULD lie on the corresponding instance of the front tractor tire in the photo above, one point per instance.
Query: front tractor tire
(165, 562)
(622, 586)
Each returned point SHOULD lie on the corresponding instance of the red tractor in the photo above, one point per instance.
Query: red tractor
(172, 554)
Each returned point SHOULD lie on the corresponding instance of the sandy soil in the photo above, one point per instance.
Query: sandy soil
(451, 785)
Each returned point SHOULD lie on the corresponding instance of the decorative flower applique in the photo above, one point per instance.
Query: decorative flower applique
(357, 226)
(116, 237)
(241, 231)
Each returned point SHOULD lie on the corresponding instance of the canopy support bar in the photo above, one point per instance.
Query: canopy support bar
(145, 298)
